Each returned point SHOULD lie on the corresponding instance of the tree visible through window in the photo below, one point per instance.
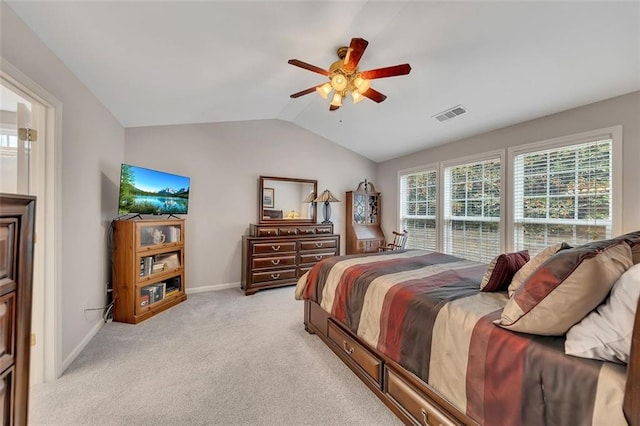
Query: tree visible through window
(563, 194)
(472, 210)
(418, 194)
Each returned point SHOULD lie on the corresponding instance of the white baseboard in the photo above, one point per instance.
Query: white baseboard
(74, 354)
(214, 287)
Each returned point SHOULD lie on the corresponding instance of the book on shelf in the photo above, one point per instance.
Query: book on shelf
(148, 292)
(144, 299)
(161, 290)
(146, 265)
(173, 234)
(158, 267)
(170, 260)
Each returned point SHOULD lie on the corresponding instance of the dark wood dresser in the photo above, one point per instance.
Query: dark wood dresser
(17, 219)
(277, 255)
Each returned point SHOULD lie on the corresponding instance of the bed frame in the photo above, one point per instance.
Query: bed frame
(412, 400)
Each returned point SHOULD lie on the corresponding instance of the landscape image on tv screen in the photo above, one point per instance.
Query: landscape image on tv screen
(146, 191)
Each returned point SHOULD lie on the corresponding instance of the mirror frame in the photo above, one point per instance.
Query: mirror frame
(263, 221)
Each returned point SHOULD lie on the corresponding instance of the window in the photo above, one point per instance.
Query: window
(472, 210)
(418, 195)
(563, 193)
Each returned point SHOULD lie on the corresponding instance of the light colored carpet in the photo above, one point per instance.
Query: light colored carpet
(218, 358)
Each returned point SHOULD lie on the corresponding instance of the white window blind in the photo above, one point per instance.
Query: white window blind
(472, 210)
(563, 194)
(418, 197)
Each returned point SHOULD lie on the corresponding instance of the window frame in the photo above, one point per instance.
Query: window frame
(433, 167)
(498, 154)
(614, 133)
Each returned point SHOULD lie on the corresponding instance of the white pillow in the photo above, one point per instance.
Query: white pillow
(605, 333)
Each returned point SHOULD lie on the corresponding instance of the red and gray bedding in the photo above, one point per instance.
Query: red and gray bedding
(425, 311)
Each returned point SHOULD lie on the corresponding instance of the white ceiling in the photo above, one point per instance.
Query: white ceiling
(170, 62)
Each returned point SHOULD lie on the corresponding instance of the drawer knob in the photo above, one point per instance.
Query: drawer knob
(318, 257)
(318, 244)
(275, 248)
(346, 348)
(275, 261)
(275, 276)
(424, 417)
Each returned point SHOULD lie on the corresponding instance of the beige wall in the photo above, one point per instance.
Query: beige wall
(224, 161)
(622, 110)
(92, 147)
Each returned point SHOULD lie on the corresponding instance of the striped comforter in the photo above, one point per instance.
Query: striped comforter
(424, 310)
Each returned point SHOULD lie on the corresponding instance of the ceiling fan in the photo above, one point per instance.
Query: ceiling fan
(345, 79)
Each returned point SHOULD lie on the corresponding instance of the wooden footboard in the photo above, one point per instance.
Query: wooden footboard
(413, 401)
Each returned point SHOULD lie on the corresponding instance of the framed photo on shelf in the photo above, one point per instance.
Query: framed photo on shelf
(267, 197)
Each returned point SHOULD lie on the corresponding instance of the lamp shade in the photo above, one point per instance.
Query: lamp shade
(310, 198)
(326, 197)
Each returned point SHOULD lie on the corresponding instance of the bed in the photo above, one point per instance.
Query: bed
(415, 327)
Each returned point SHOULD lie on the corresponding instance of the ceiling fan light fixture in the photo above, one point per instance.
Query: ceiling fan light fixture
(337, 100)
(361, 84)
(345, 79)
(356, 96)
(324, 90)
(339, 82)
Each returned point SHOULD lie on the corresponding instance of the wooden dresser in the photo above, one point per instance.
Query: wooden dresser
(17, 218)
(277, 255)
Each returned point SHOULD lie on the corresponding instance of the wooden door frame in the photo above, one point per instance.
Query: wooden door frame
(50, 243)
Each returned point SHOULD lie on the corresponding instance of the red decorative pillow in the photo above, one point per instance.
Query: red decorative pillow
(502, 269)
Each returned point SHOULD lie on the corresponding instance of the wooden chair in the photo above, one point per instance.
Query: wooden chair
(399, 240)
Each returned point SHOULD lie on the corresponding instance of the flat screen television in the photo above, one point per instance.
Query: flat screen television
(147, 191)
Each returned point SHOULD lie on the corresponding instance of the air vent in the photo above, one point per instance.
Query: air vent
(450, 113)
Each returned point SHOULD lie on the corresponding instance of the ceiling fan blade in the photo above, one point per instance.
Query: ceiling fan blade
(356, 49)
(309, 67)
(304, 92)
(386, 72)
(374, 95)
(333, 107)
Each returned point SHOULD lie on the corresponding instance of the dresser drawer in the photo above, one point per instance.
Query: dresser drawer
(318, 244)
(369, 246)
(7, 335)
(277, 275)
(414, 403)
(272, 262)
(267, 232)
(7, 396)
(283, 232)
(274, 247)
(315, 257)
(306, 230)
(364, 359)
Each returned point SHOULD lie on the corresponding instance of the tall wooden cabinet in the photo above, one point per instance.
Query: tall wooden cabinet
(148, 267)
(364, 233)
(17, 219)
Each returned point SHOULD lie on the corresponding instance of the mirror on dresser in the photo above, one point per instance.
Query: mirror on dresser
(287, 200)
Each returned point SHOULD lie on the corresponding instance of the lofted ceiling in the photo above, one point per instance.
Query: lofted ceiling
(174, 62)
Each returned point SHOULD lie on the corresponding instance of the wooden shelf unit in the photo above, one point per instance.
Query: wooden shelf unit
(148, 267)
